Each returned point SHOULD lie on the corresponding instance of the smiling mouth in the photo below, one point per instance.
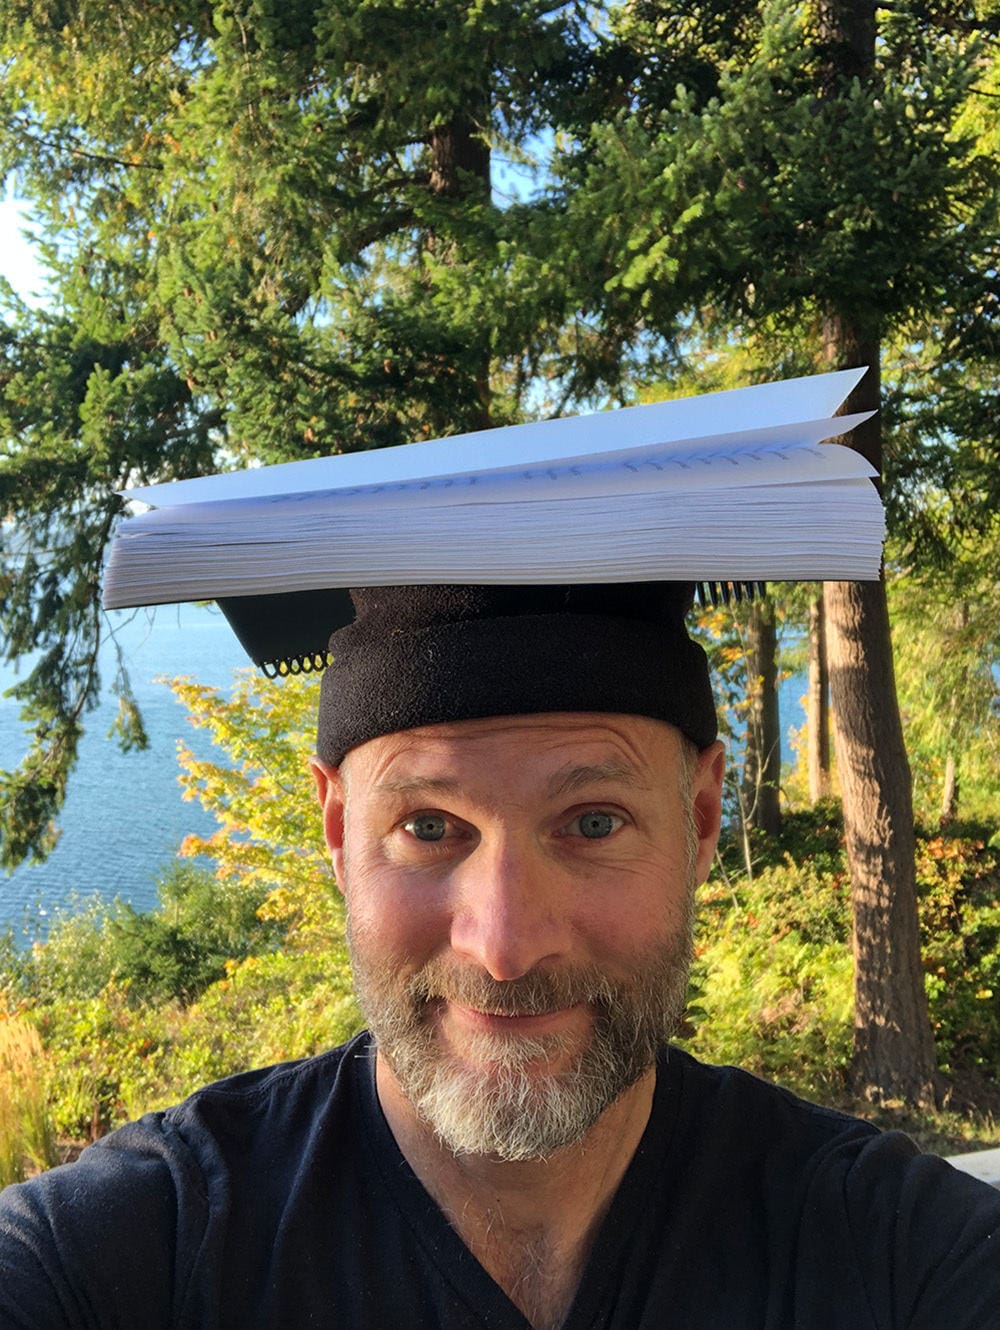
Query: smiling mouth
(513, 1022)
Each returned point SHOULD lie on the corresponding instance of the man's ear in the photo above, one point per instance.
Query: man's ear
(706, 798)
(330, 791)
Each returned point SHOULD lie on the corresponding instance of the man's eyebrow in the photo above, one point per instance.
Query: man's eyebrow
(576, 778)
(417, 785)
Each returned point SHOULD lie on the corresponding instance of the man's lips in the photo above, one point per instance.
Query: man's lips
(492, 1022)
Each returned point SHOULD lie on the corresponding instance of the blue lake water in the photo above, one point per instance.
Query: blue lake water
(124, 816)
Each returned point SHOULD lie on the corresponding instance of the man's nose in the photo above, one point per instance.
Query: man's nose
(510, 911)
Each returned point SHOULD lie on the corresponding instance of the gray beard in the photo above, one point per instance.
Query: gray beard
(502, 1099)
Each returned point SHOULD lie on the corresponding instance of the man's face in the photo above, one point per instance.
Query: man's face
(519, 897)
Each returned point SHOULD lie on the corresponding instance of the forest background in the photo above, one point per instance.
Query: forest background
(279, 231)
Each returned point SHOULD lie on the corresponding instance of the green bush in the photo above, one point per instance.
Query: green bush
(958, 878)
(75, 960)
(174, 951)
(106, 1057)
(771, 986)
(26, 1137)
(179, 949)
(112, 1058)
(268, 1009)
(772, 979)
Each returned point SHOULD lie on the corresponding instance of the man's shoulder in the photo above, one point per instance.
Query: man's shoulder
(262, 1114)
(828, 1160)
(170, 1156)
(162, 1190)
(830, 1205)
(742, 1132)
(718, 1095)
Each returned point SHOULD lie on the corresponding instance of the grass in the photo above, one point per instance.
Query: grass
(26, 1137)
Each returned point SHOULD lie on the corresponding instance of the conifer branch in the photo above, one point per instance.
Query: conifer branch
(102, 159)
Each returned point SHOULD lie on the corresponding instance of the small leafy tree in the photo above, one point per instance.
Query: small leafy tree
(270, 834)
(242, 964)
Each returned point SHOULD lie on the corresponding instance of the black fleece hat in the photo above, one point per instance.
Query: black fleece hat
(422, 655)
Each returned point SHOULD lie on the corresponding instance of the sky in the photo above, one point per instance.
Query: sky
(17, 259)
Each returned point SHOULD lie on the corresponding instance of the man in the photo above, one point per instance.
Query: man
(520, 791)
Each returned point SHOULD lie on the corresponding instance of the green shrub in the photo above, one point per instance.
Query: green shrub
(76, 959)
(773, 974)
(174, 951)
(771, 983)
(268, 1009)
(958, 878)
(179, 949)
(106, 1056)
(113, 1058)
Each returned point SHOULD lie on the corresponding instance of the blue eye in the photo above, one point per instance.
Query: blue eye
(426, 826)
(596, 824)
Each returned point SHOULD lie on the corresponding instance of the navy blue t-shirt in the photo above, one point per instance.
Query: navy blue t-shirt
(280, 1199)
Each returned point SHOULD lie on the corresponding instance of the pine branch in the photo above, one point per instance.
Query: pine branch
(102, 159)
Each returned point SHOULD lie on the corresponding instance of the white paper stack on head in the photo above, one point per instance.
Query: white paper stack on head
(730, 486)
(733, 485)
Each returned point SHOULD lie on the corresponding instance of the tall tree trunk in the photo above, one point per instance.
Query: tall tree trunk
(762, 756)
(818, 704)
(893, 1044)
(460, 159)
(460, 166)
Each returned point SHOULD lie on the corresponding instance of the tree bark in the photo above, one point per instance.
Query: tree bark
(893, 1044)
(949, 791)
(460, 159)
(818, 704)
(460, 166)
(762, 754)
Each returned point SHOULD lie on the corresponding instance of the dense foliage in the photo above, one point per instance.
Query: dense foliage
(772, 981)
(136, 1010)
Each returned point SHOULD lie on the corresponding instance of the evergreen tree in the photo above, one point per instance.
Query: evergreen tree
(270, 232)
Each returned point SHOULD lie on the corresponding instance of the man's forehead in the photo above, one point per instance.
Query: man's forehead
(564, 746)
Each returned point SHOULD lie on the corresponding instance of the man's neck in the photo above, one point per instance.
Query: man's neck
(531, 1225)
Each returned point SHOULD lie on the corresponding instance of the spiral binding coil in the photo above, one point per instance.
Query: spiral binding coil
(291, 665)
(713, 594)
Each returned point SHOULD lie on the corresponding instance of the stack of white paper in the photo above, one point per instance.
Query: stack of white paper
(732, 486)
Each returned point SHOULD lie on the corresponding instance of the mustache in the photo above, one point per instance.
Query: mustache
(532, 994)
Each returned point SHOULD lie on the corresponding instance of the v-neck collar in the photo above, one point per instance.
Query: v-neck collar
(488, 1305)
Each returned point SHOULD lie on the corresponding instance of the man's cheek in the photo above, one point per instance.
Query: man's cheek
(387, 941)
